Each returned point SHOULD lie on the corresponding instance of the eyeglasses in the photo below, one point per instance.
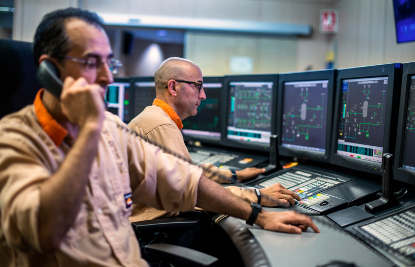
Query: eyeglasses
(198, 85)
(92, 63)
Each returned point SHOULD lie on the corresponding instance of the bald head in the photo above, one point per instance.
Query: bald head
(172, 68)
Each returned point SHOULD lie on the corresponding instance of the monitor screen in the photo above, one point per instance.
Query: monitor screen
(250, 103)
(143, 91)
(404, 11)
(304, 115)
(205, 126)
(367, 103)
(408, 159)
(362, 118)
(306, 101)
(117, 98)
(404, 161)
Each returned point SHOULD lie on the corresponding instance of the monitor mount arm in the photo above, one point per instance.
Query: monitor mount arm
(274, 162)
(388, 198)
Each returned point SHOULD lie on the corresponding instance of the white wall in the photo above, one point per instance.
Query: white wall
(367, 35)
(366, 31)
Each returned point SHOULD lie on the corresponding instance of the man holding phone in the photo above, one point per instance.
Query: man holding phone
(69, 174)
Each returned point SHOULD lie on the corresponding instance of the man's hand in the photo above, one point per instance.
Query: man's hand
(248, 173)
(286, 222)
(82, 103)
(278, 195)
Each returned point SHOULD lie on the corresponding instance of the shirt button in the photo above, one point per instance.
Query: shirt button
(100, 211)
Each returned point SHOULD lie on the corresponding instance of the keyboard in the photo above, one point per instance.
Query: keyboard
(396, 231)
(305, 184)
(207, 157)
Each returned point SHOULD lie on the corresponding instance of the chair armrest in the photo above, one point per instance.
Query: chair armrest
(166, 224)
(180, 256)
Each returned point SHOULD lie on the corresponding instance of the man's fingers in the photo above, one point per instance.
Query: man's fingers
(306, 221)
(290, 199)
(291, 229)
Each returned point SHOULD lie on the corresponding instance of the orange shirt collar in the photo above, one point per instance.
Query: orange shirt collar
(172, 114)
(52, 128)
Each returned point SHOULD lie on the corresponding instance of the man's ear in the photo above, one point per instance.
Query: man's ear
(171, 86)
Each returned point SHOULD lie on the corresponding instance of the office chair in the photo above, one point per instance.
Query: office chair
(17, 76)
(19, 88)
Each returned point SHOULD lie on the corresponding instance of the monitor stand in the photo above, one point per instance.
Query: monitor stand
(388, 198)
(274, 163)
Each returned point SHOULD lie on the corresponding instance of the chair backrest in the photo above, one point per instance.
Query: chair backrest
(18, 84)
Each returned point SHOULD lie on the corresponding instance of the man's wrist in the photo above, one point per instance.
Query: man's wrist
(256, 209)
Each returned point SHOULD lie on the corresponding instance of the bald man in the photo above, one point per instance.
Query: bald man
(179, 91)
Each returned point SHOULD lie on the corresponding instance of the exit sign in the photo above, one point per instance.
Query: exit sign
(329, 21)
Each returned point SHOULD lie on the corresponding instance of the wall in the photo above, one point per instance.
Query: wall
(367, 35)
(366, 31)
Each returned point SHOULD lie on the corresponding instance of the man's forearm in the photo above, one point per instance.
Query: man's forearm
(62, 194)
(213, 197)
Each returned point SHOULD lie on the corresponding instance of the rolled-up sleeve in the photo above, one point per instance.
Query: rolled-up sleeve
(161, 180)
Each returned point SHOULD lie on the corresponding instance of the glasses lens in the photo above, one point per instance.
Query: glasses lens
(114, 64)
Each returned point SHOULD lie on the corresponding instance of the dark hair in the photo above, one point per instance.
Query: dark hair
(51, 38)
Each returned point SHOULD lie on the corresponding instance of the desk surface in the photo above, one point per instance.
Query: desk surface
(309, 248)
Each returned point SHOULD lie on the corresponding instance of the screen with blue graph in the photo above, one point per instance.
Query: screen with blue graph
(304, 115)
(362, 118)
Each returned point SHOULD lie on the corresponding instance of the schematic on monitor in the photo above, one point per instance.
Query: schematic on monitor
(205, 125)
(362, 118)
(117, 99)
(144, 95)
(408, 160)
(305, 115)
(249, 114)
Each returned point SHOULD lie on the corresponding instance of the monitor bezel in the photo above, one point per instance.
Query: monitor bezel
(307, 76)
(124, 80)
(393, 71)
(187, 138)
(133, 80)
(401, 174)
(247, 78)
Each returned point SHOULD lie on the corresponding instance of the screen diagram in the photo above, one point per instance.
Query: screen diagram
(304, 115)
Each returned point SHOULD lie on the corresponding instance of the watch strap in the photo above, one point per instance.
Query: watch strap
(234, 176)
(256, 209)
(258, 195)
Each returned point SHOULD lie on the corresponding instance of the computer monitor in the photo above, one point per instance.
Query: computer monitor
(205, 126)
(118, 98)
(404, 11)
(404, 160)
(304, 121)
(365, 116)
(250, 108)
(143, 93)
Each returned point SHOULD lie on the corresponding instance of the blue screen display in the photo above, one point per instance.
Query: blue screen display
(404, 20)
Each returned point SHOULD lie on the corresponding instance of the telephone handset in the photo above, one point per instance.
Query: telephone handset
(47, 76)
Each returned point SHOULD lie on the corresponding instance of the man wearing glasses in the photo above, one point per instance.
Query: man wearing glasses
(179, 91)
(68, 174)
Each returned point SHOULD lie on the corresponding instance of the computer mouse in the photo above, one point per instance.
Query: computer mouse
(336, 263)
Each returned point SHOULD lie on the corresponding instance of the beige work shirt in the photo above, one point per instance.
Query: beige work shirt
(157, 125)
(125, 168)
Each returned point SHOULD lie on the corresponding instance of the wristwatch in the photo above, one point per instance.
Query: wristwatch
(256, 209)
(258, 195)
(234, 176)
